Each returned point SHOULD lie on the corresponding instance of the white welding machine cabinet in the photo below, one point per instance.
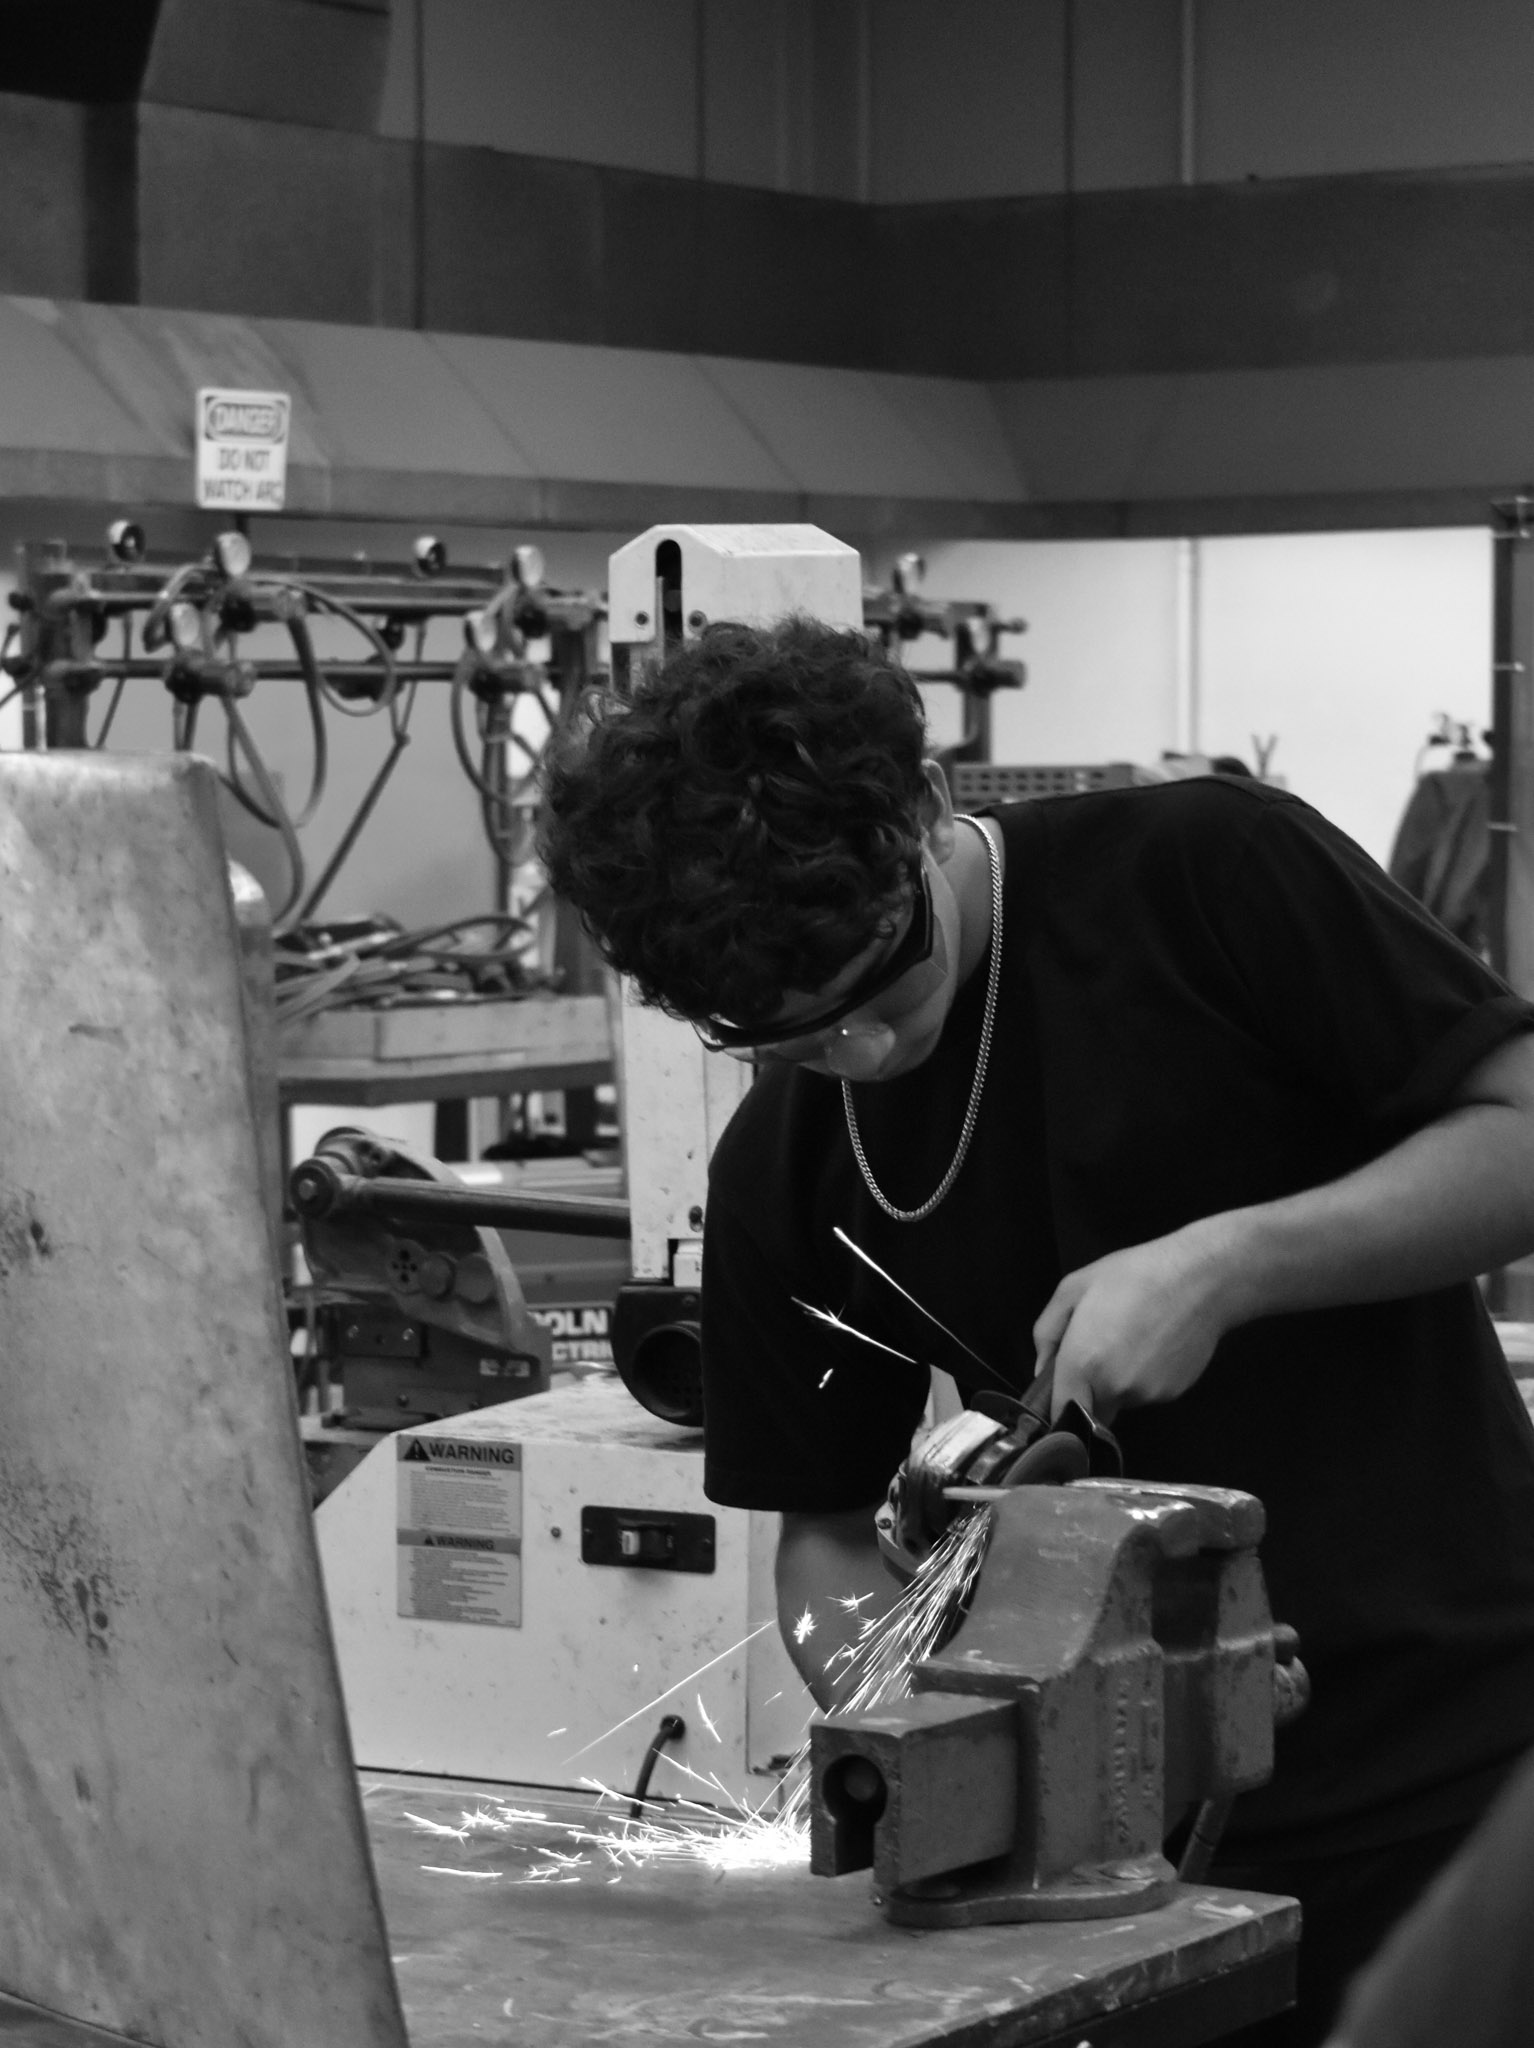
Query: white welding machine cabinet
(520, 1594)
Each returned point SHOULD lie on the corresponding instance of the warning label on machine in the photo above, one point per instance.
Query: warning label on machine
(459, 1530)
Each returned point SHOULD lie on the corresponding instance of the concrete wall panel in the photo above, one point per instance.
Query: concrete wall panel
(514, 245)
(727, 269)
(1367, 428)
(613, 415)
(378, 399)
(318, 62)
(839, 431)
(1213, 277)
(50, 396)
(43, 210)
(972, 286)
(598, 81)
(1317, 89)
(254, 217)
(785, 276)
(967, 99)
(1127, 97)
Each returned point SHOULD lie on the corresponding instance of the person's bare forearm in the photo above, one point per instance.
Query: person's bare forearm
(830, 1581)
(1453, 1200)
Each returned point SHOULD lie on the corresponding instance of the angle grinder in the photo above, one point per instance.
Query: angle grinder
(999, 1441)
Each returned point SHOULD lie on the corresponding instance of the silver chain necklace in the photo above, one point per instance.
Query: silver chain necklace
(982, 1060)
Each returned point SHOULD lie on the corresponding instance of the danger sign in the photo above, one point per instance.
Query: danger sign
(242, 450)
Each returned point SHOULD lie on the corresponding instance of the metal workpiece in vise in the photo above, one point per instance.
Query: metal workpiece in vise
(418, 1307)
(1115, 1670)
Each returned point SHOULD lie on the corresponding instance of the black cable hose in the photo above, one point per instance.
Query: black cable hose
(117, 694)
(303, 647)
(504, 922)
(100, 740)
(350, 836)
(315, 972)
(460, 689)
(400, 714)
(324, 602)
(672, 1728)
(183, 724)
(313, 696)
(288, 915)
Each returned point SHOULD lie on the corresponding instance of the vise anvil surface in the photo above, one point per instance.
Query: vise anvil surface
(1116, 1666)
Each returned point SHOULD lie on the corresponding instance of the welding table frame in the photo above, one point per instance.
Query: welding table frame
(680, 1955)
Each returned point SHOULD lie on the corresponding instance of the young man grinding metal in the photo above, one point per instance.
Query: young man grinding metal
(1168, 1086)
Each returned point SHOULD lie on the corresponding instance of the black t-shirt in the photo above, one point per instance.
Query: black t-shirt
(1209, 997)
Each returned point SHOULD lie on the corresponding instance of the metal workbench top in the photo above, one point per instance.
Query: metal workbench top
(488, 1953)
(491, 1951)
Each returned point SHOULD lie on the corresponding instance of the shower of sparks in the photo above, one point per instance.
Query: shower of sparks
(852, 1601)
(892, 1644)
(830, 1317)
(707, 1719)
(745, 1838)
(804, 1627)
(716, 1830)
(436, 1827)
(874, 1266)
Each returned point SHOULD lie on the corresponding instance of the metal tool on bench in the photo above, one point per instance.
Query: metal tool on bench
(1118, 1668)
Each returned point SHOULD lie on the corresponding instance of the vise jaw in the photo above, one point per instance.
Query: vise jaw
(1116, 1665)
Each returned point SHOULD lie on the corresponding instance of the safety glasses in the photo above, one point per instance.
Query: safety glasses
(914, 946)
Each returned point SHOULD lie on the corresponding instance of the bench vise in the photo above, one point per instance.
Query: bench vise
(1118, 1665)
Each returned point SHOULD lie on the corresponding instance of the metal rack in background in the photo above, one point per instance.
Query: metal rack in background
(899, 614)
(87, 629)
(992, 782)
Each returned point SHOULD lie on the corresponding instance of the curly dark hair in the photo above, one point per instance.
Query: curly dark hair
(746, 822)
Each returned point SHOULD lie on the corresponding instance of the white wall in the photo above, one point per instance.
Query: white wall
(1341, 648)
(1345, 646)
(1100, 646)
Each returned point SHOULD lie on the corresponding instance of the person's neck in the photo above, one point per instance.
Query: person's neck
(972, 891)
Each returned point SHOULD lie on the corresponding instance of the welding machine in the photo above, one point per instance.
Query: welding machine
(527, 1593)
(530, 1591)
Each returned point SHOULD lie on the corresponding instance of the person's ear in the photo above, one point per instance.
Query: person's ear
(935, 813)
